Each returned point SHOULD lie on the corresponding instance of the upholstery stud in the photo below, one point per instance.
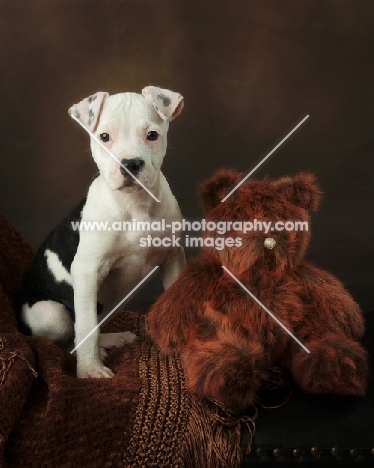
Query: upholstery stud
(354, 453)
(260, 452)
(315, 451)
(297, 453)
(335, 452)
(277, 452)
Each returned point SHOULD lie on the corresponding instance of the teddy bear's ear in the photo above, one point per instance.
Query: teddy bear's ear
(214, 189)
(301, 189)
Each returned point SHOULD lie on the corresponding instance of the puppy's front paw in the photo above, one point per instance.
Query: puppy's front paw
(100, 372)
(103, 353)
(117, 340)
(103, 373)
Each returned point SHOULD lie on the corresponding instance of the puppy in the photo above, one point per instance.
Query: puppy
(78, 273)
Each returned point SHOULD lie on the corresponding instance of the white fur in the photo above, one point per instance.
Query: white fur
(49, 319)
(127, 117)
(57, 268)
(129, 138)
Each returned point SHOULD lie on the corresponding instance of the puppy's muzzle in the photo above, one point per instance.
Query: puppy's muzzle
(134, 165)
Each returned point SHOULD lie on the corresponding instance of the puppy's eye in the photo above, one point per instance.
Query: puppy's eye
(104, 137)
(152, 135)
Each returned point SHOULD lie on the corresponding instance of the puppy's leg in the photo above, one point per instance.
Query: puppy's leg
(86, 278)
(49, 319)
(116, 340)
(103, 353)
(172, 267)
(113, 340)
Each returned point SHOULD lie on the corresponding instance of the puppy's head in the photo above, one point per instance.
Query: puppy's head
(133, 127)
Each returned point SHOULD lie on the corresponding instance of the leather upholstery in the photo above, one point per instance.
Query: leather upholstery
(317, 430)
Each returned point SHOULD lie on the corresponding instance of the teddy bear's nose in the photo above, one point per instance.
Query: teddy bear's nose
(269, 243)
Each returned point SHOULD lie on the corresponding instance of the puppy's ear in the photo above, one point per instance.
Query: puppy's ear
(214, 189)
(301, 189)
(88, 110)
(168, 104)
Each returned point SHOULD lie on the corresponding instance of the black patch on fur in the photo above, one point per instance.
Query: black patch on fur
(92, 98)
(38, 283)
(77, 114)
(91, 116)
(165, 100)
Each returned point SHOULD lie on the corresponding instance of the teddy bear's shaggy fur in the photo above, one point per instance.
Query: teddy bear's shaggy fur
(227, 341)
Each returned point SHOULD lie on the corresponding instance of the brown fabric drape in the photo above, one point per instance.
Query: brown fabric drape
(144, 417)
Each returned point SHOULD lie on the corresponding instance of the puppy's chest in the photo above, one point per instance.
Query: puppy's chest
(130, 243)
(130, 263)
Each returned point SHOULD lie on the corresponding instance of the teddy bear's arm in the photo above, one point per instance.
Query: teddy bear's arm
(336, 362)
(173, 315)
(334, 307)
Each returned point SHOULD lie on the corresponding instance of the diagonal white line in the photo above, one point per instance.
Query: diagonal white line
(265, 158)
(115, 308)
(266, 309)
(114, 157)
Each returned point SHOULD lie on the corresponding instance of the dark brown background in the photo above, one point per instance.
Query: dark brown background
(249, 71)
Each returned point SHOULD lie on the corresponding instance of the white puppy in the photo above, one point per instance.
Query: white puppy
(78, 273)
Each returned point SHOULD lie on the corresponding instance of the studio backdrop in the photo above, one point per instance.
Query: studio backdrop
(249, 72)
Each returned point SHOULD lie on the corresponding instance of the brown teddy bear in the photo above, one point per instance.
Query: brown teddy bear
(297, 317)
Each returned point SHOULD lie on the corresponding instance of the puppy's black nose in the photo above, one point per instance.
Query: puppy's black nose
(134, 165)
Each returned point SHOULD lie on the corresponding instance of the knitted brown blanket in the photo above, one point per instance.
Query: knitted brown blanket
(144, 417)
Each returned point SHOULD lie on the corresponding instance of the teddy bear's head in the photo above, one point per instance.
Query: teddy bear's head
(270, 220)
